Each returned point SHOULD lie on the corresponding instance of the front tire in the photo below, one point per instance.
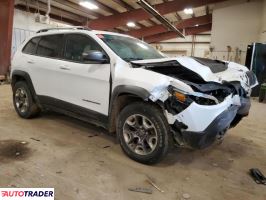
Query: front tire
(23, 101)
(143, 132)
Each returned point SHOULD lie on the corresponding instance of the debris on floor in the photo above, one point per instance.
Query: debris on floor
(90, 136)
(152, 182)
(215, 164)
(35, 139)
(186, 196)
(23, 142)
(107, 146)
(140, 189)
(12, 185)
(257, 175)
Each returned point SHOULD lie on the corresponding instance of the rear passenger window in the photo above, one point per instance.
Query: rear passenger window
(77, 45)
(50, 46)
(30, 47)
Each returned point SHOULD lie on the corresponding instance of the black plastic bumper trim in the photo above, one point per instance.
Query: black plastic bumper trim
(245, 106)
(205, 138)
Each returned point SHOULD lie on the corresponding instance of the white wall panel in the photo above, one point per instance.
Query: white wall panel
(236, 24)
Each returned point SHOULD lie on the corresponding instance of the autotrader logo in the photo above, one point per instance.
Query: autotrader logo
(26, 193)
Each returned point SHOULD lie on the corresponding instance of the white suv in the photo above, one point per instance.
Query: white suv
(126, 86)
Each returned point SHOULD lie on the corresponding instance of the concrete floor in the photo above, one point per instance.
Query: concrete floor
(83, 162)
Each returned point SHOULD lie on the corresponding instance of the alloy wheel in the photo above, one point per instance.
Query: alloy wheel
(21, 100)
(140, 134)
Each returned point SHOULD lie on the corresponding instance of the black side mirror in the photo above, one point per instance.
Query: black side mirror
(95, 56)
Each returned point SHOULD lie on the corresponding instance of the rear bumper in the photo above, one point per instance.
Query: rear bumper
(207, 137)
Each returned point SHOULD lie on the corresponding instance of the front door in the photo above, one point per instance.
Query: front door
(83, 83)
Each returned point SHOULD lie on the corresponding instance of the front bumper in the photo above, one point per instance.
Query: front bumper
(205, 138)
(203, 123)
(245, 106)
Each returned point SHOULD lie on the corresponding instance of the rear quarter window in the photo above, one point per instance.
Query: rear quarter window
(30, 47)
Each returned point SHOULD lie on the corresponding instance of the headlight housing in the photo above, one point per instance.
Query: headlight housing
(187, 98)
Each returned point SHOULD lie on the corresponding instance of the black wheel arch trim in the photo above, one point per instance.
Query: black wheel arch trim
(130, 90)
(28, 80)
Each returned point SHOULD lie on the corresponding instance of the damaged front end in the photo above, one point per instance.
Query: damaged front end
(213, 104)
(197, 119)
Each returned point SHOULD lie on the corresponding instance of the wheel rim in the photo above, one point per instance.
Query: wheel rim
(21, 100)
(140, 134)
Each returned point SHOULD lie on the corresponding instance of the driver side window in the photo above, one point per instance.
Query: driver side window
(77, 45)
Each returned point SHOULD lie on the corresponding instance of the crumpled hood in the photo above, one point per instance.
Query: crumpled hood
(208, 70)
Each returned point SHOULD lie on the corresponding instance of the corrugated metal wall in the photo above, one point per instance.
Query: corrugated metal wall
(19, 35)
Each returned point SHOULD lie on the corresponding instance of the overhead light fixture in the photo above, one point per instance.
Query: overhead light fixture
(188, 11)
(88, 5)
(196, 25)
(131, 24)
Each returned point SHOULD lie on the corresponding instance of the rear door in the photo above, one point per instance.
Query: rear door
(80, 82)
(44, 66)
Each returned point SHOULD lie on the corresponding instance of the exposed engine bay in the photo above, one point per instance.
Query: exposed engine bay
(218, 90)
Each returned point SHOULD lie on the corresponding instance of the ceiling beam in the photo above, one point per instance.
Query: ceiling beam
(178, 17)
(207, 9)
(199, 29)
(53, 16)
(123, 4)
(109, 22)
(73, 8)
(144, 32)
(54, 11)
(113, 11)
(106, 8)
(164, 21)
(169, 35)
(129, 8)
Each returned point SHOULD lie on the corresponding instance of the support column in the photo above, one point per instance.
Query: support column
(6, 22)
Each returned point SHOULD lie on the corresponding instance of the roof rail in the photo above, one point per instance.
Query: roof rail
(64, 28)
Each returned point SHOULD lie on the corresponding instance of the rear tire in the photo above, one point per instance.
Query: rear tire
(23, 101)
(143, 132)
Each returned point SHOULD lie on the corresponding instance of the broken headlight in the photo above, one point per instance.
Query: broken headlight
(177, 101)
(203, 99)
(180, 100)
(187, 98)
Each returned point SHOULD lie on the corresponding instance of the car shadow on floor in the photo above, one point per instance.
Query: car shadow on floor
(221, 155)
(217, 154)
(90, 130)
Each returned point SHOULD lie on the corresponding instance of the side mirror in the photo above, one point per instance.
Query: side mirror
(95, 56)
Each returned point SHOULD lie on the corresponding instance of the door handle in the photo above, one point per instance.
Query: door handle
(64, 67)
(30, 61)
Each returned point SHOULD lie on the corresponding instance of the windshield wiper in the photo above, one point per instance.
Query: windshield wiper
(132, 59)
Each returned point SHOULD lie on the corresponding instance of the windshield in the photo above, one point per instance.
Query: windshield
(130, 49)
